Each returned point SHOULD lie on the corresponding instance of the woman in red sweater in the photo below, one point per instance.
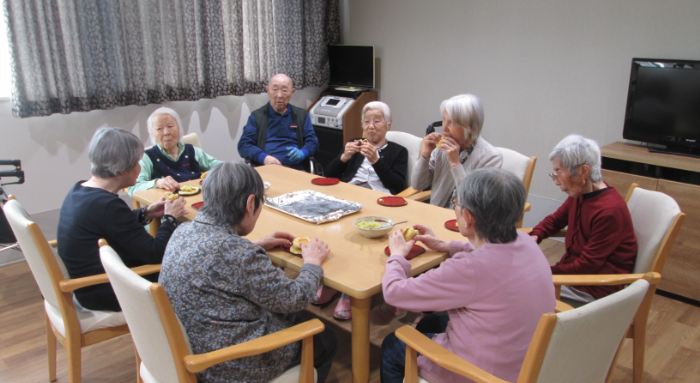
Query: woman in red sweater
(600, 238)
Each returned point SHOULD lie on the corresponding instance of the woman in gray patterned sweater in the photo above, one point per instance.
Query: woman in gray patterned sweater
(225, 290)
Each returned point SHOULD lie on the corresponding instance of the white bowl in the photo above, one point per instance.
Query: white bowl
(386, 225)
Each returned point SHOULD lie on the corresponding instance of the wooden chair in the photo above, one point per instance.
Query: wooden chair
(657, 219)
(74, 326)
(523, 167)
(573, 346)
(163, 344)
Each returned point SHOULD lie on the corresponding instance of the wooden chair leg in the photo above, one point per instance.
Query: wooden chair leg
(138, 365)
(51, 349)
(307, 360)
(74, 361)
(638, 345)
(411, 366)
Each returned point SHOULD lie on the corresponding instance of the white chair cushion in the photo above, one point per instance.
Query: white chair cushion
(146, 375)
(90, 320)
(412, 144)
(514, 162)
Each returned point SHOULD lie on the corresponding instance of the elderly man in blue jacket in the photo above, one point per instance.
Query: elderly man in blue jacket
(278, 133)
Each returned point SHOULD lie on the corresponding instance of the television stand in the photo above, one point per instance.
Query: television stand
(676, 151)
(678, 177)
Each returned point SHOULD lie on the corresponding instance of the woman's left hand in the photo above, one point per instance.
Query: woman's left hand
(451, 149)
(370, 152)
(278, 238)
(398, 245)
(155, 210)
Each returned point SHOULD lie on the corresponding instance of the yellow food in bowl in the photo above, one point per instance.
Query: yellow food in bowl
(368, 225)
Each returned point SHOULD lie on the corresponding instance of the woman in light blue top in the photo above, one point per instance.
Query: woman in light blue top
(169, 161)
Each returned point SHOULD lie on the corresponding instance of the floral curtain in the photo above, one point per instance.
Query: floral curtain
(81, 55)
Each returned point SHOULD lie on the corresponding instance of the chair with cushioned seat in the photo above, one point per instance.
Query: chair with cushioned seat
(657, 219)
(162, 342)
(413, 145)
(74, 326)
(576, 346)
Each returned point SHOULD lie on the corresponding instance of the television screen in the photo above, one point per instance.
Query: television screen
(663, 103)
(351, 66)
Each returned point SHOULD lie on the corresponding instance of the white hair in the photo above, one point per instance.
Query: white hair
(158, 112)
(574, 151)
(114, 151)
(466, 112)
(380, 106)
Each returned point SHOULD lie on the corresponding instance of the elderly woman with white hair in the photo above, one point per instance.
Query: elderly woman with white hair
(371, 162)
(93, 210)
(600, 238)
(461, 149)
(169, 161)
(226, 291)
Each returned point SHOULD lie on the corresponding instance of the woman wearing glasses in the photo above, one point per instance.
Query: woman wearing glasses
(495, 287)
(600, 238)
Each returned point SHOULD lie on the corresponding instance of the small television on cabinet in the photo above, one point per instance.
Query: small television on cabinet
(351, 67)
(663, 104)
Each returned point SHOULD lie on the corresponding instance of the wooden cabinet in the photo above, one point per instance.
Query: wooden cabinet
(677, 176)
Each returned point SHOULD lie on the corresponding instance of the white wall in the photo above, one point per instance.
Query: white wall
(544, 68)
(54, 149)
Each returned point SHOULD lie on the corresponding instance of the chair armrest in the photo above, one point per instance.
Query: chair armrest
(53, 243)
(421, 196)
(443, 357)
(527, 207)
(409, 191)
(68, 285)
(199, 362)
(595, 279)
(561, 306)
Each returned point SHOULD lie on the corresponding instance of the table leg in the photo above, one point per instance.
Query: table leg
(360, 339)
(154, 226)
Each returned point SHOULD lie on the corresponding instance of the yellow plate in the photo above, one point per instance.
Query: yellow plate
(188, 193)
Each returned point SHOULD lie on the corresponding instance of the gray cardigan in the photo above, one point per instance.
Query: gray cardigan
(438, 173)
(225, 291)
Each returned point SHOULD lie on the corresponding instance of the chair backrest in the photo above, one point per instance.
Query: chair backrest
(518, 164)
(40, 258)
(656, 218)
(192, 139)
(145, 304)
(412, 144)
(584, 341)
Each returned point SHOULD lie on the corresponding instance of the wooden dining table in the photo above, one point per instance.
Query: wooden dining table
(355, 265)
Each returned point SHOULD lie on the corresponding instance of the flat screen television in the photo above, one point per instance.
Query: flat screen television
(351, 66)
(663, 104)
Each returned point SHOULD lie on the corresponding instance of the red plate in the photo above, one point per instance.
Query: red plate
(324, 181)
(391, 201)
(452, 225)
(415, 251)
(200, 181)
(198, 205)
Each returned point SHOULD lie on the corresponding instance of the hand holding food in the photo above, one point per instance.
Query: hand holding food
(398, 244)
(277, 238)
(430, 143)
(409, 233)
(170, 196)
(175, 208)
(439, 143)
(370, 152)
(428, 238)
(296, 244)
(351, 147)
(315, 252)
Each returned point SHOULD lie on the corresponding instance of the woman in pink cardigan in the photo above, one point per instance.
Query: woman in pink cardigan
(494, 288)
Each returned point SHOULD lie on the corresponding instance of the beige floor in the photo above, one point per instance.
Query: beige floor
(673, 345)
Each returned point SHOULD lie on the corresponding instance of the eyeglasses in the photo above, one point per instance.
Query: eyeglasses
(555, 175)
(454, 202)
